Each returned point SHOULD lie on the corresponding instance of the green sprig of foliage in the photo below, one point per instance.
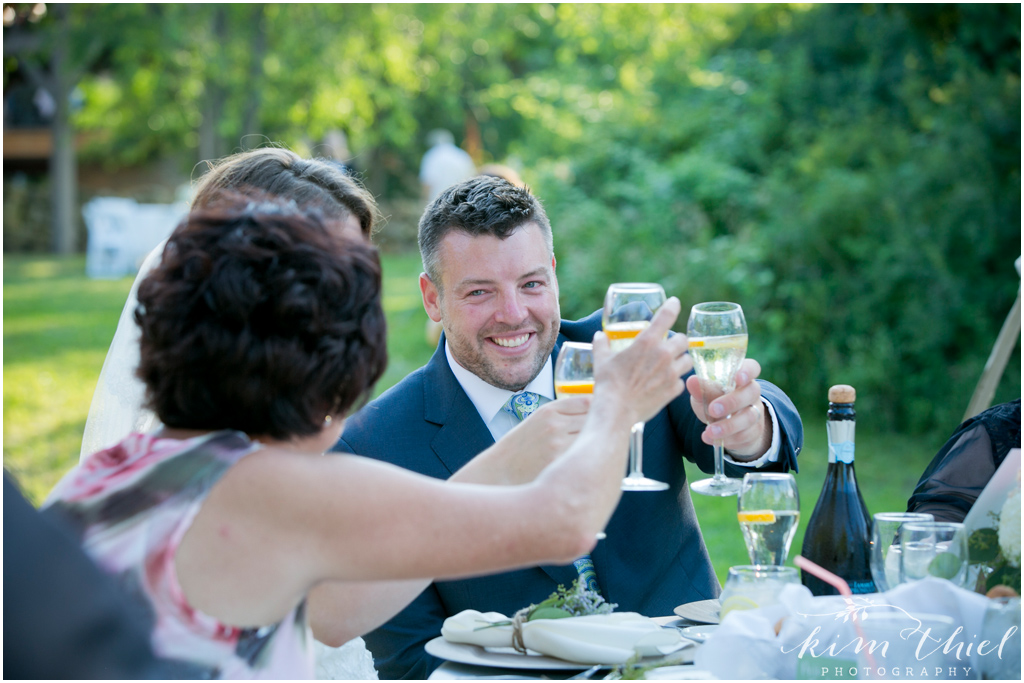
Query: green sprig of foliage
(574, 601)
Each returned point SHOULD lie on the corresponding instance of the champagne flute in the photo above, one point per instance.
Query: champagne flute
(718, 344)
(574, 375)
(628, 309)
(574, 370)
(768, 512)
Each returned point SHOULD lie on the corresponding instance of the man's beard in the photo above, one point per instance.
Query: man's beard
(477, 361)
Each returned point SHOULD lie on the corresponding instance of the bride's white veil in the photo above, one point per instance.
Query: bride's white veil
(116, 409)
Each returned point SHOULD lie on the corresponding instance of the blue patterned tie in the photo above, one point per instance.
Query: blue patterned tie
(588, 576)
(521, 406)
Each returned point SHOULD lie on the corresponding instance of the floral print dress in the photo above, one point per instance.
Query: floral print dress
(133, 503)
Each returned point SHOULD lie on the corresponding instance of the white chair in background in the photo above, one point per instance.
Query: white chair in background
(122, 232)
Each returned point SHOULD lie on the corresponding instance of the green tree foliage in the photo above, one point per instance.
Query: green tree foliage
(849, 173)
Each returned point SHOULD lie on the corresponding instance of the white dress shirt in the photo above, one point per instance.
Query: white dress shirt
(489, 400)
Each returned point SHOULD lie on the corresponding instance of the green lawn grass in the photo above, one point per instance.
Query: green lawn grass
(888, 467)
(58, 325)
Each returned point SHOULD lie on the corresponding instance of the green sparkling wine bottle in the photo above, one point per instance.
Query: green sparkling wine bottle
(839, 532)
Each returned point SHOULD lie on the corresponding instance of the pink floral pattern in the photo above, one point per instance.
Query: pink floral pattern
(133, 503)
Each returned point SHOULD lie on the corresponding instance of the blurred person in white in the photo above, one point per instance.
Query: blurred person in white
(444, 164)
(335, 150)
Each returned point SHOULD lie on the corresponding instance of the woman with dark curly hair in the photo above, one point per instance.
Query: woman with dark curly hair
(261, 330)
(117, 406)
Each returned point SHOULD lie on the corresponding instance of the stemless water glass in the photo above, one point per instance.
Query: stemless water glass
(1001, 624)
(933, 549)
(768, 512)
(753, 586)
(886, 536)
(718, 344)
(628, 309)
(574, 375)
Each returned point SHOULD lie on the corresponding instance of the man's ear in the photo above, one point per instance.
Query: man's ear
(430, 298)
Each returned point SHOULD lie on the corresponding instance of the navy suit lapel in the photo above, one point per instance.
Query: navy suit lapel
(463, 434)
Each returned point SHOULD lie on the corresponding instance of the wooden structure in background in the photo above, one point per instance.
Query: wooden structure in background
(997, 360)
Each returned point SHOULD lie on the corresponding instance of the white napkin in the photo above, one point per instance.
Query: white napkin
(595, 639)
(820, 632)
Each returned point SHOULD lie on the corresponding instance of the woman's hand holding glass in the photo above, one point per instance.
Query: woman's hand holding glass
(647, 375)
(628, 310)
(574, 376)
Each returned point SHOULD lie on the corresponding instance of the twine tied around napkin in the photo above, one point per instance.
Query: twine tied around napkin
(593, 639)
(517, 629)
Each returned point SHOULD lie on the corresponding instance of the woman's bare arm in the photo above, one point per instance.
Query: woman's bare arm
(279, 523)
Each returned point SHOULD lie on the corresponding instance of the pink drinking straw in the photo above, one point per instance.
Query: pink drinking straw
(840, 585)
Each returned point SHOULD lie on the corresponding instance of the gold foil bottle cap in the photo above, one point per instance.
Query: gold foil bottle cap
(842, 393)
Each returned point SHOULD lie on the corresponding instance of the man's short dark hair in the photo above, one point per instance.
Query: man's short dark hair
(260, 318)
(484, 205)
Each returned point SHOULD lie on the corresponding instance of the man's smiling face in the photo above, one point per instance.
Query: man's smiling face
(498, 303)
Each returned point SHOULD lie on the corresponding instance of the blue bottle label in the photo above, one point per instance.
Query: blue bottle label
(842, 452)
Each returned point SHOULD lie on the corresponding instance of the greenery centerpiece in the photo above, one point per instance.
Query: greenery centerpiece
(996, 549)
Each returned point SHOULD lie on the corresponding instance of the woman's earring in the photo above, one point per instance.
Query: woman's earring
(327, 420)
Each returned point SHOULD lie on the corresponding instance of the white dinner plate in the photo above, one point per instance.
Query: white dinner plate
(702, 611)
(698, 633)
(505, 657)
(508, 658)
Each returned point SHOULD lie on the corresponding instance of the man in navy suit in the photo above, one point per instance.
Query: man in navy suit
(490, 281)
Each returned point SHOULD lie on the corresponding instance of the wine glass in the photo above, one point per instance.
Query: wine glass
(933, 549)
(574, 370)
(574, 375)
(886, 529)
(628, 309)
(769, 510)
(718, 344)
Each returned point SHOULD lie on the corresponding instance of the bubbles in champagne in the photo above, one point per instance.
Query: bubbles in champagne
(768, 534)
(716, 359)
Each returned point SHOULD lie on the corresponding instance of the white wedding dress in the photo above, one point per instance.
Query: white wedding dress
(117, 411)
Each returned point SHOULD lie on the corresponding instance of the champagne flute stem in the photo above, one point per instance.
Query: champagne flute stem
(718, 446)
(719, 462)
(636, 450)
